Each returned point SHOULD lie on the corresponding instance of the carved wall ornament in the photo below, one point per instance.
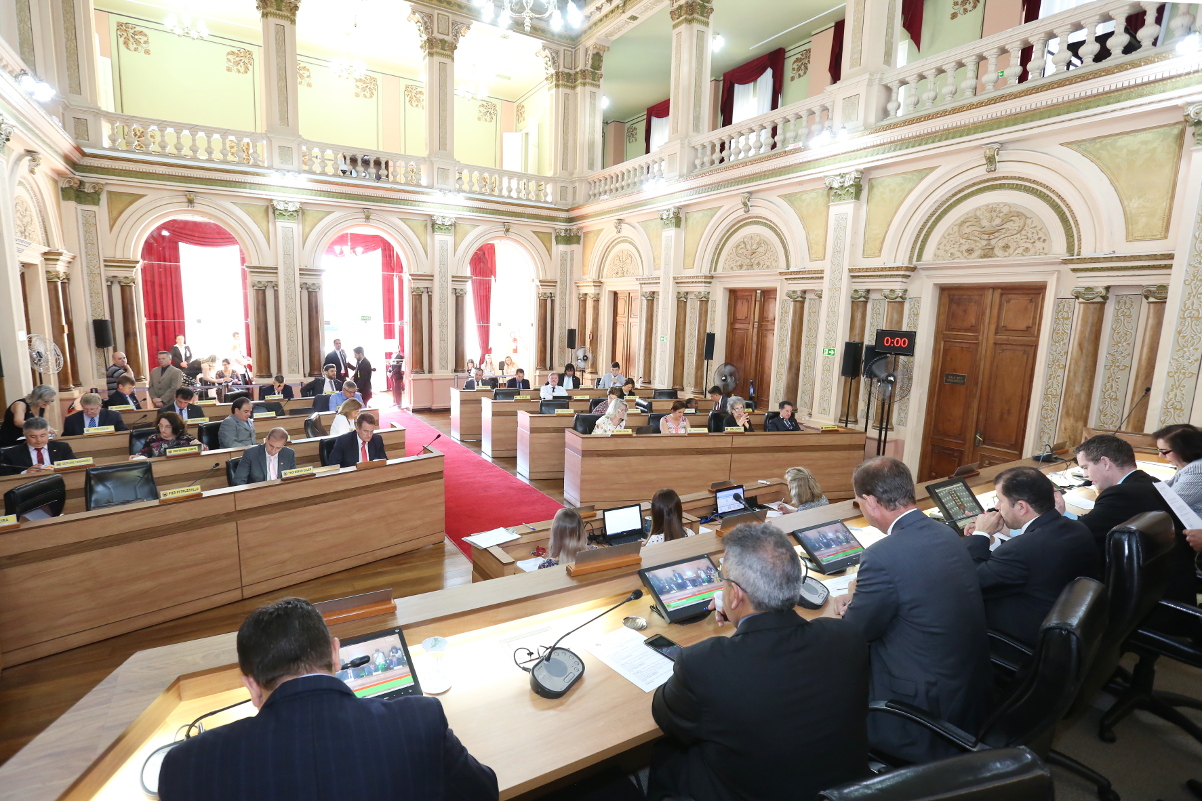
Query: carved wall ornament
(962, 7)
(632, 134)
(1193, 118)
(27, 226)
(800, 66)
(519, 114)
(894, 295)
(691, 12)
(444, 224)
(1091, 294)
(752, 251)
(845, 186)
(133, 38)
(366, 86)
(745, 199)
(307, 286)
(35, 161)
(286, 210)
(550, 57)
(239, 61)
(6, 131)
(304, 76)
(618, 224)
(487, 112)
(278, 9)
(671, 217)
(992, 231)
(1156, 294)
(622, 264)
(992, 150)
(190, 199)
(433, 44)
(505, 229)
(415, 96)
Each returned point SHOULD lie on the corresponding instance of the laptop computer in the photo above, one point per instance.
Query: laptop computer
(726, 503)
(623, 524)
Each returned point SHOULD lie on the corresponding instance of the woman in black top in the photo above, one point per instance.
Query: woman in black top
(568, 379)
(171, 434)
(34, 404)
(738, 417)
(786, 421)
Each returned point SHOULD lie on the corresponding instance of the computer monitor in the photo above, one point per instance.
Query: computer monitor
(831, 546)
(726, 503)
(388, 672)
(623, 524)
(956, 501)
(684, 588)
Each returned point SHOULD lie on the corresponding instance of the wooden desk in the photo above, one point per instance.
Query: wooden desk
(79, 578)
(465, 413)
(103, 448)
(499, 423)
(182, 471)
(602, 469)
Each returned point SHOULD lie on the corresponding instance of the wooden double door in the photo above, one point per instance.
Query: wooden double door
(750, 330)
(625, 334)
(986, 344)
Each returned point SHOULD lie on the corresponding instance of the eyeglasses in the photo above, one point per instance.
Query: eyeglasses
(1164, 451)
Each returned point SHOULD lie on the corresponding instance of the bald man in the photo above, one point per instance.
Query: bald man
(118, 368)
(266, 462)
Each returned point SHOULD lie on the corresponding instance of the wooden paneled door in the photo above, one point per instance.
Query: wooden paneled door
(986, 343)
(750, 329)
(625, 334)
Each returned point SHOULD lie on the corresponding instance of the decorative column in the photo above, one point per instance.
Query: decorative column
(700, 379)
(544, 359)
(859, 322)
(560, 65)
(1149, 345)
(74, 69)
(690, 87)
(417, 353)
(60, 329)
(594, 331)
(287, 240)
(668, 350)
(647, 326)
(13, 352)
(565, 254)
(129, 312)
(313, 326)
(1082, 362)
(845, 211)
(869, 46)
(678, 341)
(895, 309)
(438, 305)
(439, 34)
(60, 262)
(128, 329)
(84, 233)
(279, 70)
(265, 322)
(460, 297)
(797, 315)
(588, 95)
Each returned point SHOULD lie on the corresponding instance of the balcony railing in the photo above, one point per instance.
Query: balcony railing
(629, 176)
(501, 183)
(317, 158)
(182, 140)
(791, 126)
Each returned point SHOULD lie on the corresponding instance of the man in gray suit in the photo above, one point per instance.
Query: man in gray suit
(164, 381)
(265, 462)
(238, 430)
(918, 602)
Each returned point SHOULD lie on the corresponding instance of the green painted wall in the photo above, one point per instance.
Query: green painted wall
(532, 112)
(637, 147)
(950, 23)
(797, 73)
(478, 131)
(337, 110)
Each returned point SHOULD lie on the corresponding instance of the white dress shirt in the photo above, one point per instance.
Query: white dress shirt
(273, 465)
(33, 455)
(547, 392)
(91, 422)
(330, 387)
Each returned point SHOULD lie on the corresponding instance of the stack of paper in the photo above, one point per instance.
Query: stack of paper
(488, 539)
(868, 535)
(623, 650)
(838, 584)
(529, 565)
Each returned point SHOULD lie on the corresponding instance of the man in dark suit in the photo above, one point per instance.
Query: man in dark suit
(123, 395)
(183, 405)
(1023, 576)
(361, 445)
(918, 603)
(518, 381)
(362, 375)
(307, 741)
(265, 462)
(476, 381)
(760, 714)
(719, 399)
(93, 415)
(786, 421)
(326, 383)
(277, 387)
(337, 357)
(37, 452)
(181, 354)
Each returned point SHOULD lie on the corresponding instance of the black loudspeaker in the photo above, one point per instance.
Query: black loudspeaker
(709, 346)
(102, 331)
(852, 353)
(869, 357)
(571, 339)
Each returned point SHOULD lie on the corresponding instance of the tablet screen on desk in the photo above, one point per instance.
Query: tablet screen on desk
(830, 546)
(683, 589)
(957, 501)
(388, 672)
(725, 500)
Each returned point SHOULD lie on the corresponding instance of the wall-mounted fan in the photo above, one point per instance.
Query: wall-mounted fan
(44, 355)
(889, 378)
(583, 358)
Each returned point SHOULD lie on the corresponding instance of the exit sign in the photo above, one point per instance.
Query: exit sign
(663, 339)
(828, 351)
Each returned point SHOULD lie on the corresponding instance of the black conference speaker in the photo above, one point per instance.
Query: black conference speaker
(869, 357)
(852, 353)
(709, 346)
(102, 331)
(571, 339)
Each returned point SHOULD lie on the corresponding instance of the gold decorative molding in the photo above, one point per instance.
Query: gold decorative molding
(691, 12)
(800, 66)
(1091, 294)
(366, 86)
(239, 61)
(991, 231)
(304, 76)
(278, 9)
(1156, 294)
(845, 186)
(133, 38)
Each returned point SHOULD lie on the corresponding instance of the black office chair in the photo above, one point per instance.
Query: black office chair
(1000, 774)
(664, 394)
(269, 406)
(769, 416)
(230, 397)
(324, 448)
(585, 423)
(716, 422)
(593, 403)
(505, 394)
(492, 382)
(118, 484)
(653, 421)
(24, 498)
(207, 433)
(313, 426)
(231, 467)
(137, 439)
(549, 406)
(1035, 703)
(643, 405)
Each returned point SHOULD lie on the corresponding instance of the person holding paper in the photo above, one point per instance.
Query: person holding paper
(1181, 446)
(265, 462)
(172, 433)
(38, 452)
(762, 714)
(804, 491)
(552, 389)
(93, 415)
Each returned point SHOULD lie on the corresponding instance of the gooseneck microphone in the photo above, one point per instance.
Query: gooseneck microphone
(200, 480)
(1134, 406)
(558, 668)
(428, 446)
(739, 497)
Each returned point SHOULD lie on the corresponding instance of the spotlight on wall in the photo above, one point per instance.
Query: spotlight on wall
(35, 87)
(717, 42)
(604, 102)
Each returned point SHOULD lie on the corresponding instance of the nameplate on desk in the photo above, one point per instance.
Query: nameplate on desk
(67, 464)
(696, 430)
(98, 430)
(206, 403)
(128, 407)
(259, 415)
(9, 522)
(733, 430)
(690, 411)
(184, 451)
(298, 472)
(565, 411)
(326, 470)
(371, 465)
(580, 397)
(194, 421)
(181, 494)
(331, 392)
(273, 397)
(830, 428)
(623, 432)
(521, 397)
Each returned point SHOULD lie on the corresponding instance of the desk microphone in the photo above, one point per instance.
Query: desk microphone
(358, 661)
(738, 497)
(1142, 398)
(427, 447)
(558, 668)
(140, 419)
(198, 482)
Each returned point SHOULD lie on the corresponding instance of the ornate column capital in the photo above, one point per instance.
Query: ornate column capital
(567, 236)
(76, 190)
(460, 291)
(57, 276)
(691, 12)
(1193, 118)
(310, 286)
(1156, 294)
(817, 294)
(126, 280)
(278, 9)
(845, 186)
(858, 295)
(444, 224)
(594, 58)
(6, 130)
(546, 295)
(439, 33)
(682, 296)
(263, 284)
(895, 295)
(286, 210)
(649, 295)
(671, 218)
(702, 295)
(1092, 294)
(796, 295)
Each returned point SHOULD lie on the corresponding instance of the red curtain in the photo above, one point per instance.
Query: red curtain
(750, 73)
(658, 111)
(484, 272)
(162, 285)
(390, 281)
(835, 67)
(912, 21)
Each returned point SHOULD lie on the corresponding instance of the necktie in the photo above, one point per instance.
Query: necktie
(271, 467)
(364, 450)
(91, 422)
(183, 413)
(41, 456)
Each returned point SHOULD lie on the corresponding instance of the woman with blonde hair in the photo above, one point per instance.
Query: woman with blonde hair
(344, 421)
(614, 416)
(568, 538)
(35, 404)
(804, 491)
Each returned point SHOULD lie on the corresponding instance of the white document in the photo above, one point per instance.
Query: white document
(1180, 507)
(838, 584)
(868, 535)
(623, 650)
(1158, 470)
(704, 530)
(530, 565)
(488, 539)
(1078, 500)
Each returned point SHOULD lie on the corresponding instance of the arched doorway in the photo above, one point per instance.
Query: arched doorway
(360, 265)
(499, 322)
(194, 283)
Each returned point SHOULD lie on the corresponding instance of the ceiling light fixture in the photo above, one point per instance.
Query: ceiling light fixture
(349, 67)
(1190, 45)
(35, 87)
(604, 102)
(717, 42)
(184, 25)
(529, 10)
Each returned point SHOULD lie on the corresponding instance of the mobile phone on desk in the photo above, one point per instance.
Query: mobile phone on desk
(662, 645)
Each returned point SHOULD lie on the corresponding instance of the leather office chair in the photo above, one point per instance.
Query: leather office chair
(1030, 709)
(118, 484)
(1003, 774)
(653, 421)
(324, 448)
(505, 394)
(137, 439)
(716, 422)
(50, 491)
(549, 406)
(585, 423)
(269, 406)
(593, 403)
(231, 467)
(643, 405)
(313, 426)
(664, 394)
(769, 416)
(492, 382)
(207, 433)
(230, 397)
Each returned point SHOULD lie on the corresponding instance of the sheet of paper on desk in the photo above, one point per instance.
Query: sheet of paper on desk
(1180, 508)
(487, 539)
(1158, 470)
(623, 650)
(1078, 500)
(529, 565)
(704, 530)
(868, 535)
(1061, 478)
(838, 584)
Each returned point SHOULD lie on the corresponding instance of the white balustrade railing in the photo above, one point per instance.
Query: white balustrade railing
(502, 183)
(318, 158)
(629, 176)
(793, 125)
(1079, 38)
(182, 140)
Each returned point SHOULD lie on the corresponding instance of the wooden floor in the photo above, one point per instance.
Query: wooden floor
(34, 694)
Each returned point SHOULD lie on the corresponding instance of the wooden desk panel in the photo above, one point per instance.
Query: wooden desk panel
(465, 413)
(499, 423)
(217, 411)
(831, 456)
(103, 448)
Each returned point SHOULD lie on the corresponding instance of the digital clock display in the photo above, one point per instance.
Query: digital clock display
(897, 343)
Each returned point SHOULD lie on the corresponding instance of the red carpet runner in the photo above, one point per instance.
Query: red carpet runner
(479, 495)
